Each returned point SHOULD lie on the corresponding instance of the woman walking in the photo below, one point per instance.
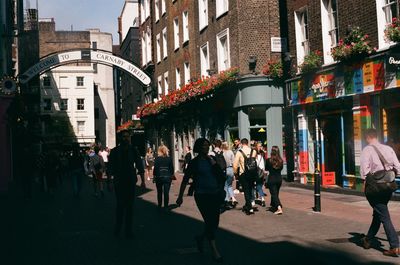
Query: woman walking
(208, 180)
(163, 172)
(274, 166)
(229, 157)
(261, 174)
(149, 160)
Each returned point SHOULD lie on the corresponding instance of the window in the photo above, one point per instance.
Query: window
(144, 50)
(158, 48)
(386, 10)
(46, 82)
(80, 126)
(176, 33)
(79, 81)
(163, 7)
(148, 46)
(159, 85)
(63, 82)
(204, 60)
(185, 26)
(223, 50)
(301, 27)
(165, 47)
(177, 78)
(222, 7)
(157, 10)
(330, 34)
(166, 83)
(94, 45)
(80, 104)
(47, 104)
(64, 104)
(203, 14)
(186, 72)
(147, 8)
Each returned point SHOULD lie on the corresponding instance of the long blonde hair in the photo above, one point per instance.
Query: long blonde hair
(163, 151)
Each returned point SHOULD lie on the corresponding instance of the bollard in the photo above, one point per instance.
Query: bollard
(317, 191)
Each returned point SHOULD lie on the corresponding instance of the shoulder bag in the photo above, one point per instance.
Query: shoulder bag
(382, 181)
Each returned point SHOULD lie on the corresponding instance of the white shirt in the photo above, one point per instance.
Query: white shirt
(104, 155)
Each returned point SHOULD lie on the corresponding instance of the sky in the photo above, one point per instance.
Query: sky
(82, 14)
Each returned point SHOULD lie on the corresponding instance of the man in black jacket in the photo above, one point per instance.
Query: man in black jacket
(124, 162)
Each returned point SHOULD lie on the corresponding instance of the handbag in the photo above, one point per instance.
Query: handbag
(382, 181)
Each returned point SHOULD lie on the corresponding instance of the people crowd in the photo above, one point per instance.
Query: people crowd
(215, 173)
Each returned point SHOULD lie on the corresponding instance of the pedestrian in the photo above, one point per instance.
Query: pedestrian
(208, 181)
(229, 158)
(163, 172)
(274, 165)
(125, 163)
(244, 156)
(261, 175)
(149, 161)
(97, 168)
(104, 153)
(370, 163)
(187, 158)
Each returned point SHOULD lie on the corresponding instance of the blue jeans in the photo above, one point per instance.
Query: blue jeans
(228, 184)
(381, 215)
(259, 189)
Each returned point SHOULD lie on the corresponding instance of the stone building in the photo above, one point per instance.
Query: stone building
(77, 99)
(186, 41)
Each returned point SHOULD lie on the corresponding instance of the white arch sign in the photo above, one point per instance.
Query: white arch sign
(98, 56)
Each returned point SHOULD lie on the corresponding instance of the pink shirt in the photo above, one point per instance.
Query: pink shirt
(370, 162)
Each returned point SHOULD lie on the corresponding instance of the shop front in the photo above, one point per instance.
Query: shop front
(333, 107)
(250, 107)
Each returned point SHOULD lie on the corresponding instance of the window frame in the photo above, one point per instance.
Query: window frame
(80, 106)
(80, 83)
(226, 63)
(158, 47)
(163, 7)
(221, 8)
(185, 26)
(159, 86)
(329, 23)
(382, 20)
(165, 43)
(204, 68)
(203, 14)
(176, 33)
(79, 125)
(64, 107)
(302, 34)
(157, 10)
(45, 84)
(47, 104)
(178, 78)
(186, 72)
(166, 83)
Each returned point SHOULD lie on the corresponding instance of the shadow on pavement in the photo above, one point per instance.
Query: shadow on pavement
(72, 231)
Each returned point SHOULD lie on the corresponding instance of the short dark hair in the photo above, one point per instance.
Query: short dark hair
(244, 141)
(198, 144)
(217, 143)
(371, 132)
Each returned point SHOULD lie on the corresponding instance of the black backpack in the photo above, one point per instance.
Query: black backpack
(220, 160)
(250, 166)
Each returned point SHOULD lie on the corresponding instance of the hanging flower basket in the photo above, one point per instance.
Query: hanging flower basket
(274, 70)
(190, 91)
(354, 47)
(129, 125)
(311, 63)
(392, 31)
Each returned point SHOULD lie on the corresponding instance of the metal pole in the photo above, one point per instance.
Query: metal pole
(317, 175)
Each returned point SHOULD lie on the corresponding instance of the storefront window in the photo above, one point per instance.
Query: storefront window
(257, 115)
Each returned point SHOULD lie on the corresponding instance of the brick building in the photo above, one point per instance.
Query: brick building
(349, 92)
(184, 41)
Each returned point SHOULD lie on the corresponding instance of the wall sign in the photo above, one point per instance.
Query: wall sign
(278, 44)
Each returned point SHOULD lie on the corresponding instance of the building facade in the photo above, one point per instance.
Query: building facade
(353, 88)
(189, 41)
(77, 100)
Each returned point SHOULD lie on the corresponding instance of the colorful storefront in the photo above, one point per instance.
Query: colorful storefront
(333, 107)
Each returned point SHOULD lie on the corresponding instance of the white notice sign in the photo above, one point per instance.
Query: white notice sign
(278, 44)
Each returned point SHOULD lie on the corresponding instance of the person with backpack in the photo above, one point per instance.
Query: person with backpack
(97, 168)
(246, 165)
(208, 180)
(274, 165)
(163, 172)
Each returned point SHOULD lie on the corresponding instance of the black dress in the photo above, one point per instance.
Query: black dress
(274, 183)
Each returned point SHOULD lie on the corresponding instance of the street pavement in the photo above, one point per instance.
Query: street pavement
(62, 230)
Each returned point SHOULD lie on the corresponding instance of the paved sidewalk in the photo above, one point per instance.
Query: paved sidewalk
(64, 230)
